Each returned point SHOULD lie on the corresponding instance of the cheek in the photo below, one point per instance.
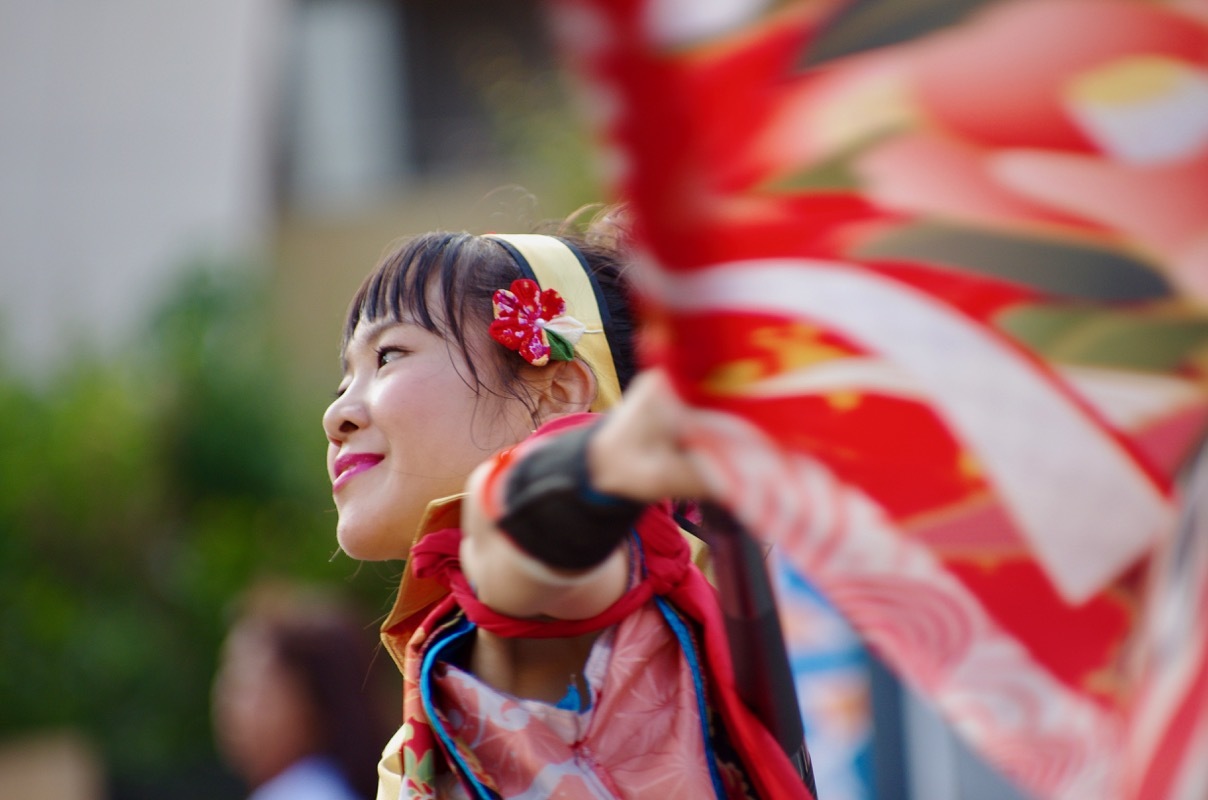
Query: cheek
(238, 705)
(435, 416)
(332, 451)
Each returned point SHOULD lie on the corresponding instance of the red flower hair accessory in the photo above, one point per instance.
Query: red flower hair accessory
(533, 322)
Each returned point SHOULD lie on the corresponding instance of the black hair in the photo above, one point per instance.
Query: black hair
(333, 658)
(318, 638)
(468, 269)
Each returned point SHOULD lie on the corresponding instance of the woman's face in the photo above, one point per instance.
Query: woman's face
(264, 719)
(405, 429)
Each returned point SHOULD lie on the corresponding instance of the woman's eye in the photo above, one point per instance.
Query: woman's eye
(387, 354)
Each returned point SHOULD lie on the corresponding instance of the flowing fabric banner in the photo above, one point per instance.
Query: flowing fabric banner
(936, 294)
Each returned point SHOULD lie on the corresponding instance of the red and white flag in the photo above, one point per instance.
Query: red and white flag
(938, 305)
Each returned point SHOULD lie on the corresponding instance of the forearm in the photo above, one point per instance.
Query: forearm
(539, 539)
(551, 508)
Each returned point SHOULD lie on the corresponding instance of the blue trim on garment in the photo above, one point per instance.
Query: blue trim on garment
(636, 549)
(688, 646)
(573, 700)
(593, 496)
(452, 635)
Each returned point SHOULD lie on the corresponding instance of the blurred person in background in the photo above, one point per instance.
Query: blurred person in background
(295, 711)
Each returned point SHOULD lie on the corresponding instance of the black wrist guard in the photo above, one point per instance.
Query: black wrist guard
(555, 515)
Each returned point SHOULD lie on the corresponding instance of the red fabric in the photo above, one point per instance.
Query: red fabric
(954, 460)
(436, 556)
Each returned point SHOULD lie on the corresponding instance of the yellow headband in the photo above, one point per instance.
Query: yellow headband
(556, 265)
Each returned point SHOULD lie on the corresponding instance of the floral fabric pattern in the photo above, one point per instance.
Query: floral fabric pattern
(641, 737)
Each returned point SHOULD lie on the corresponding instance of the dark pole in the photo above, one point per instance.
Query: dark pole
(761, 664)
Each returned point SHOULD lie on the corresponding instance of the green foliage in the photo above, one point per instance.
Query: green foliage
(140, 495)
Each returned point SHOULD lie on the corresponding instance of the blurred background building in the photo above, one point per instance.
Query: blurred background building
(189, 192)
(139, 139)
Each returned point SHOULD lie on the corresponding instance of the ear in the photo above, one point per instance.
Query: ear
(571, 388)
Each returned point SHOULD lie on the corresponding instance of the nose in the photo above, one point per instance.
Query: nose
(344, 416)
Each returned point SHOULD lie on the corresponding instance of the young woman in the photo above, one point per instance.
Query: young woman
(554, 636)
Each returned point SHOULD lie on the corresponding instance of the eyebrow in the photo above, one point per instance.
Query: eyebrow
(371, 334)
(376, 329)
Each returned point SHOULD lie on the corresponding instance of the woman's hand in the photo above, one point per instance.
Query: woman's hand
(638, 452)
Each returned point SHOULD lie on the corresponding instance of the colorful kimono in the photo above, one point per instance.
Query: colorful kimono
(661, 719)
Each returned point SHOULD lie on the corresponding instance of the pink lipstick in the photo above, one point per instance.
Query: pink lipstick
(351, 464)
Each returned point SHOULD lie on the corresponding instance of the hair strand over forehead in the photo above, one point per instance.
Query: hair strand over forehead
(444, 282)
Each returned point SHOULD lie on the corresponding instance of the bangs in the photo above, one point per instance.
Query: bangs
(398, 288)
(444, 283)
(438, 281)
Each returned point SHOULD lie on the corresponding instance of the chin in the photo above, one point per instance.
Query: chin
(370, 545)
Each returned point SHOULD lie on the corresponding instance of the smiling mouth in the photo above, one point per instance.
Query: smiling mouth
(349, 466)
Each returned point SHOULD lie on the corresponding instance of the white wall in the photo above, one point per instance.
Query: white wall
(345, 118)
(134, 135)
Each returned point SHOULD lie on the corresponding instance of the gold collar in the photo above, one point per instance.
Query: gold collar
(417, 595)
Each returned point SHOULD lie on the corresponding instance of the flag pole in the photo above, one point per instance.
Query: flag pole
(761, 665)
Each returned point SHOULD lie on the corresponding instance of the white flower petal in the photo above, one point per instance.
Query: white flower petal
(567, 327)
